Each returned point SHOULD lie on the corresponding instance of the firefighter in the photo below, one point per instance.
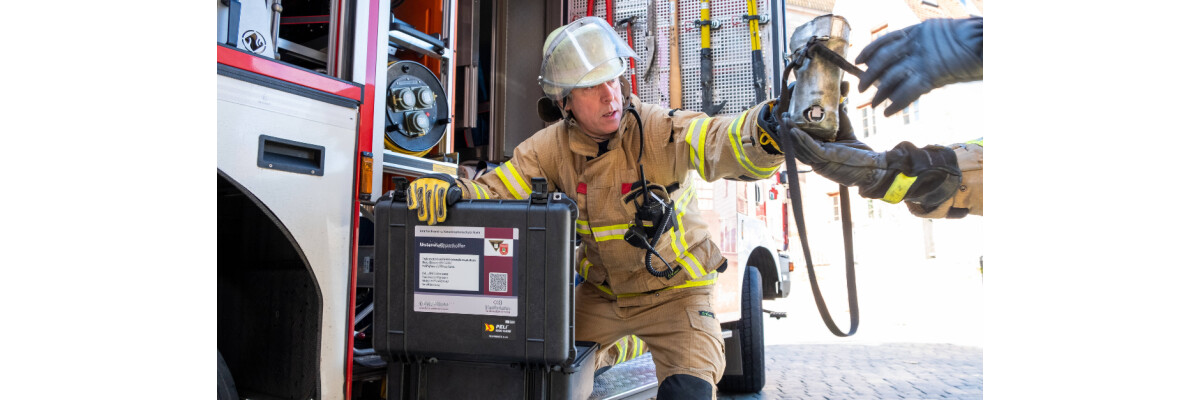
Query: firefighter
(648, 261)
(933, 181)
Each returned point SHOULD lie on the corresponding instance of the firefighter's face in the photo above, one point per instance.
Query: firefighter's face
(597, 109)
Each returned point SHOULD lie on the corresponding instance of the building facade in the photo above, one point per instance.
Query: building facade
(888, 232)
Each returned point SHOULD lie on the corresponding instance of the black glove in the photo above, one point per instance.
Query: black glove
(768, 129)
(928, 175)
(431, 195)
(845, 132)
(912, 61)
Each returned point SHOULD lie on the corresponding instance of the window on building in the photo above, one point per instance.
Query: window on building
(868, 119)
(837, 210)
(911, 112)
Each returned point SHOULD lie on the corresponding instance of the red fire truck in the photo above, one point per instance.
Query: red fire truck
(323, 104)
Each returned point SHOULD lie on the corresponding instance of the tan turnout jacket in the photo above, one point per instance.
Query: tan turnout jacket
(603, 188)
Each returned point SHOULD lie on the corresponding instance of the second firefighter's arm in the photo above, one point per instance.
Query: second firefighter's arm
(968, 199)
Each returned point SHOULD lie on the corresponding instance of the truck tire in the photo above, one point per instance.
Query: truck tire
(225, 387)
(750, 333)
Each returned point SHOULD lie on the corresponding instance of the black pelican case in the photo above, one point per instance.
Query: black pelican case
(494, 283)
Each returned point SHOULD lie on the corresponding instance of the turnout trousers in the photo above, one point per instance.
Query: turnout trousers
(678, 325)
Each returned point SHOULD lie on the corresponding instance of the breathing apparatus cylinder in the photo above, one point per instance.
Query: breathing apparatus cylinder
(816, 94)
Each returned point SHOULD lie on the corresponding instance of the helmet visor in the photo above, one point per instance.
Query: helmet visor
(584, 53)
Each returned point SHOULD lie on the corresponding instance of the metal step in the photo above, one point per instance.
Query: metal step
(631, 380)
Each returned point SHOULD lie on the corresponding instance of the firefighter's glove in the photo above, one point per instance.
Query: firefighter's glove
(845, 132)
(912, 61)
(928, 175)
(768, 129)
(431, 195)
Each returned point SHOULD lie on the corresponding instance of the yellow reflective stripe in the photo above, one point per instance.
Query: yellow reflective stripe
(482, 191)
(977, 142)
(899, 188)
(621, 347)
(508, 174)
(694, 267)
(692, 156)
(693, 270)
(478, 192)
(703, 134)
(735, 130)
(582, 227)
(587, 266)
(695, 139)
(610, 232)
(474, 190)
(604, 289)
(689, 284)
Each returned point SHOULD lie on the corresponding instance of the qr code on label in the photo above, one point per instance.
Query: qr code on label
(497, 282)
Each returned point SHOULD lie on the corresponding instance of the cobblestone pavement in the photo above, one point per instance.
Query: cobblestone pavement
(870, 371)
(920, 334)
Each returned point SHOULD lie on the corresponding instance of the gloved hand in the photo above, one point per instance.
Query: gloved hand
(431, 195)
(912, 61)
(768, 129)
(928, 175)
(845, 133)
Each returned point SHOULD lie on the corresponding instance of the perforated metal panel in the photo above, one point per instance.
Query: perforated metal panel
(732, 74)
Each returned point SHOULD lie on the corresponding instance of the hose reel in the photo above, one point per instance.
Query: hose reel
(416, 112)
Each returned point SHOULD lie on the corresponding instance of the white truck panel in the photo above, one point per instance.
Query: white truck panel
(315, 210)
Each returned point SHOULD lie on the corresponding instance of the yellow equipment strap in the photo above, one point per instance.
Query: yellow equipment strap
(752, 9)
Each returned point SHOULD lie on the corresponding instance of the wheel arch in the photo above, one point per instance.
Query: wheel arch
(268, 298)
(767, 263)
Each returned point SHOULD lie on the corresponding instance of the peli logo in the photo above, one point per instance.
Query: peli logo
(489, 327)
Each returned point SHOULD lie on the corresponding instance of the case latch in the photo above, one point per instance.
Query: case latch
(540, 191)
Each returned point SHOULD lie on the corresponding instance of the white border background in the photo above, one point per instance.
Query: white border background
(109, 245)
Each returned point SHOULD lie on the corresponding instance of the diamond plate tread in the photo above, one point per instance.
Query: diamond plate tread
(626, 378)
